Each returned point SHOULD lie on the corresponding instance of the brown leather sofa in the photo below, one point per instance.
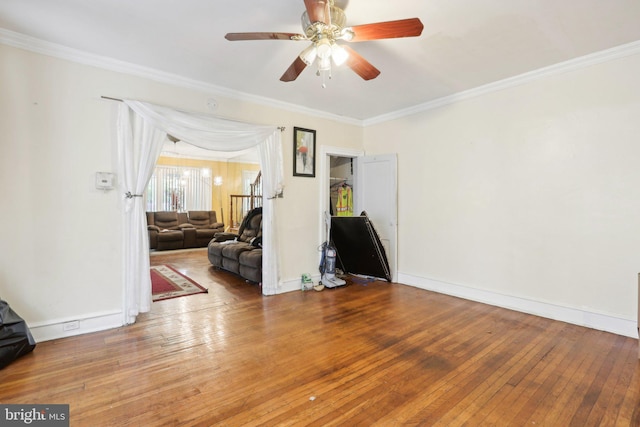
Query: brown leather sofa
(181, 230)
(240, 253)
(206, 227)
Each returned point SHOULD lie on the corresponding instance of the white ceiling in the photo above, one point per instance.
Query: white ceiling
(465, 43)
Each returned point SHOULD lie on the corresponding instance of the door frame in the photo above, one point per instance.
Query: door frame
(324, 175)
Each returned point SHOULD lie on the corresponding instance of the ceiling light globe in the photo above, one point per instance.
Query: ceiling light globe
(324, 48)
(309, 54)
(338, 54)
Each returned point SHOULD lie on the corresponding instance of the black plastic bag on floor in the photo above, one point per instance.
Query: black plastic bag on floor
(15, 337)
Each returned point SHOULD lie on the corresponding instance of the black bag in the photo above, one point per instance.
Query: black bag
(15, 337)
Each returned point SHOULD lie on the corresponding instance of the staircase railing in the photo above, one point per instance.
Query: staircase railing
(241, 204)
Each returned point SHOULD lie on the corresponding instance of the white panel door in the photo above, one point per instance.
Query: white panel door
(376, 193)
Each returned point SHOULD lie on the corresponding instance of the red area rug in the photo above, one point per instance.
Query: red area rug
(166, 282)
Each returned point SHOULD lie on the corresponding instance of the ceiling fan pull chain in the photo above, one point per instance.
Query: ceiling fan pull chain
(324, 74)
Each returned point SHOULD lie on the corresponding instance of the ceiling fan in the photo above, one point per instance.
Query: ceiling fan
(324, 24)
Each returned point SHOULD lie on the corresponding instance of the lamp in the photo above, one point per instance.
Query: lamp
(217, 181)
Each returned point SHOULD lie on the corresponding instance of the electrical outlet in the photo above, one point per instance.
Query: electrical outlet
(70, 326)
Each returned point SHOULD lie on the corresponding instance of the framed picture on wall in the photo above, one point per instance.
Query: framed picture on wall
(304, 152)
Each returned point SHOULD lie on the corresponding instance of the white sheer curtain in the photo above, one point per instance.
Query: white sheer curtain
(139, 145)
(142, 129)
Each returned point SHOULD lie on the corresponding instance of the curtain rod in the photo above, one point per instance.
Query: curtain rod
(281, 128)
(112, 99)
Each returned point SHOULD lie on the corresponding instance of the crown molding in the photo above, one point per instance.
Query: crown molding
(33, 44)
(21, 41)
(606, 55)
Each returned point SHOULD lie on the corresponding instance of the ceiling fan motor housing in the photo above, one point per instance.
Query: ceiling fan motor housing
(318, 30)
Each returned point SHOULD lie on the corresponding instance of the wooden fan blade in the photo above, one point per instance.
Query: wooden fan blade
(294, 70)
(318, 11)
(387, 30)
(361, 66)
(264, 36)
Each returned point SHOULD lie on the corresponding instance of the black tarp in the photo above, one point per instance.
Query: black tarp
(15, 337)
(358, 246)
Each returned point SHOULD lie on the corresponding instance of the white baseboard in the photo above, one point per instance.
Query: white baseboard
(62, 328)
(574, 316)
(55, 329)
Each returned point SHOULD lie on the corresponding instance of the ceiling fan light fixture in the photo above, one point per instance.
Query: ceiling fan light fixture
(346, 34)
(339, 54)
(324, 48)
(309, 54)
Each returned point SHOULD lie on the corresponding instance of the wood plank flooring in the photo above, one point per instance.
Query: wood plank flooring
(363, 355)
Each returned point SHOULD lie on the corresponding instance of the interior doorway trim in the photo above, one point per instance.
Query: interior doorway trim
(327, 151)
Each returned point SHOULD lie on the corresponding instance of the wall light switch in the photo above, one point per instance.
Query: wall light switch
(104, 180)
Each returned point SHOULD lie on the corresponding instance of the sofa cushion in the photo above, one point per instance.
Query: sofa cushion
(170, 239)
(251, 258)
(231, 265)
(202, 219)
(233, 251)
(170, 235)
(166, 220)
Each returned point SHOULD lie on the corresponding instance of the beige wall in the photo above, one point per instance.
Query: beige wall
(530, 191)
(61, 238)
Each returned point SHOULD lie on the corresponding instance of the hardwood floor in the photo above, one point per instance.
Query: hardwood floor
(366, 354)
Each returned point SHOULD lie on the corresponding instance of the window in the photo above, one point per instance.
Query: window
(181, 189)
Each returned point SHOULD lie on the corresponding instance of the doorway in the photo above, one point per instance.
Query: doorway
(337, 155)
(225, 191)
(341, 185)
(373, 182)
